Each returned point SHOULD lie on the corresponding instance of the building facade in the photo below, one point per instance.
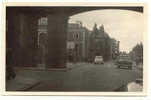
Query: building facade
(77, 42)
(42, 29)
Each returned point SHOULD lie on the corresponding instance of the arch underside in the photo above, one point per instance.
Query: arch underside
(69, 11)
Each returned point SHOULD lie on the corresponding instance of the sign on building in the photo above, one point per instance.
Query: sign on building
(70, 45)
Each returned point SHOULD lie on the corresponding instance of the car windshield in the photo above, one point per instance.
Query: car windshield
(100, 57)
(124, 58)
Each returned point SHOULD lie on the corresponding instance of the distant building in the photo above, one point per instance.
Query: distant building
(77, 42)
(99, 44)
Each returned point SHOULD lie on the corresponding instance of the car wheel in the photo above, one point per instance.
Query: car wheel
(118, 67)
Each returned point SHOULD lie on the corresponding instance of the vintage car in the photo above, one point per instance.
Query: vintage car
(98, 60)
(124, 62)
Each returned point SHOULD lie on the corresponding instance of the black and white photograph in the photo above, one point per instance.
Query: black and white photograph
(75, 48)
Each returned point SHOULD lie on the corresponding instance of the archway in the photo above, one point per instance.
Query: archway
(57, 25)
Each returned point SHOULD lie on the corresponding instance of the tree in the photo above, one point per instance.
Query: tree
(137, 53)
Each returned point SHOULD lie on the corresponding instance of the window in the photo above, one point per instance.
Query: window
(76, 36)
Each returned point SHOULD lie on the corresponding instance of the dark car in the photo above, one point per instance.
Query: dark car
(124, 62)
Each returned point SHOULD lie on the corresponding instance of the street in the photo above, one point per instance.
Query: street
(81, 77)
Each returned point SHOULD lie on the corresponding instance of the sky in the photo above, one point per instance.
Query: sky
(123, 25)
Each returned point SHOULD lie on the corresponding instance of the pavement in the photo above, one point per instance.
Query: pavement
(80, 77)
(21, 83)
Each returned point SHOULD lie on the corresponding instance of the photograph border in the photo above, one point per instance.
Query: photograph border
(81, 4)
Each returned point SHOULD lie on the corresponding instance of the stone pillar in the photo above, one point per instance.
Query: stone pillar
(57, 36)
(12, 37)
(28, 39)
(22, 38)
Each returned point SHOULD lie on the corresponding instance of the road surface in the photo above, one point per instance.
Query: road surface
(82, 77)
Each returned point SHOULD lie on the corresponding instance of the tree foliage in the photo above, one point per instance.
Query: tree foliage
(137, 53)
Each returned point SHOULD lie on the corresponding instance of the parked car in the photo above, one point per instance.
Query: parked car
(98, 60)
(124, 62)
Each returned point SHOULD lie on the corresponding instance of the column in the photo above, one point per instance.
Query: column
(28, 39)
(57, 36)
(12, 37)
(22, 38)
